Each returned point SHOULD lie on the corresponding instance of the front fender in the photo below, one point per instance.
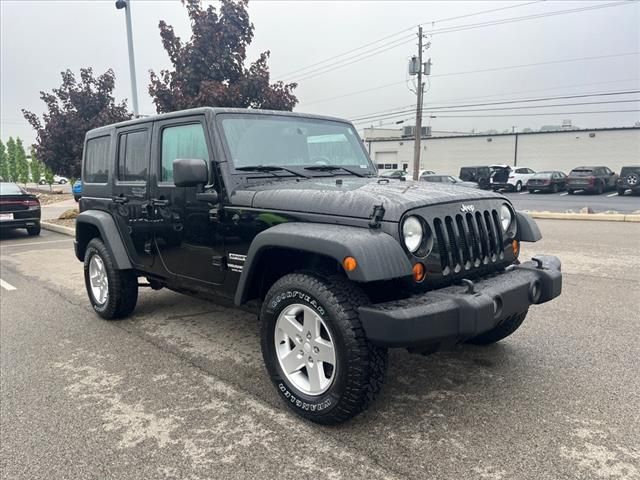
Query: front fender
(528, 230)
(379, 255)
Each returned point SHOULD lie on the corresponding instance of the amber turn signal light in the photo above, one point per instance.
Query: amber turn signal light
(516, 247)
(349, 264)
(418, 272)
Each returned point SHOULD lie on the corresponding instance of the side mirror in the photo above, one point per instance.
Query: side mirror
(190, 172)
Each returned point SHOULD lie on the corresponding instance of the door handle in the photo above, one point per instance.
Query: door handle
(120, 199)
(157, 202)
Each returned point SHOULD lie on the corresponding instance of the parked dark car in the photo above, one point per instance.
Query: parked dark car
(551, 181)
(283, 214)
(478, 174)
(19, 209)
(591, 179)
(450, 179)
(629, 179)
(76, 190)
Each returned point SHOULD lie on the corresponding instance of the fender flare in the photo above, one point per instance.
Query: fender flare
(528, 230)
(110, 234)
(379, 255)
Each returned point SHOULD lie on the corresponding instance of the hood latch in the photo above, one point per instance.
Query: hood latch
(376, 216)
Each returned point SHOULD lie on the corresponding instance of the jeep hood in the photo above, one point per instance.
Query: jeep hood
(355, 197)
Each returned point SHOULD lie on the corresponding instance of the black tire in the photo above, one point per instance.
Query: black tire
(570, 192)
(360, 366)
(122, 286)
(34, 231)
(76, 198)
(42, 182)
(621, 191)
(554, 189)
(600, 188)
(506, 328)
(518, 187)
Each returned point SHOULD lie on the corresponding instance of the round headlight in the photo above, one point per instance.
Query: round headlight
(506, 217)
(412, 233)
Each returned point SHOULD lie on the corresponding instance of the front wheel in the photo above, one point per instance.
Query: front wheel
(113, 293)
(506, 328)
(518, 186)
(315, 349)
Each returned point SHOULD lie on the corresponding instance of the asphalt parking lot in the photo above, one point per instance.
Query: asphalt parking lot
(179, 389)
(562, 201)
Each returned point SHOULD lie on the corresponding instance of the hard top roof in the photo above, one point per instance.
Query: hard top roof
(210, 111)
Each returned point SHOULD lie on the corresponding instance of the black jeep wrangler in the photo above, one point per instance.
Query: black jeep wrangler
(283, 213)
(629, 179)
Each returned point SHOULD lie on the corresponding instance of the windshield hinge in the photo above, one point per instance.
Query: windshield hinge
(376, 216)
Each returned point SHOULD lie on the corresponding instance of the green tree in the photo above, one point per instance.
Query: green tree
(22, 165)
(48, 177)
(36, 167)
(72, 109)
(209, 69)
(11, 160)
(4, 163)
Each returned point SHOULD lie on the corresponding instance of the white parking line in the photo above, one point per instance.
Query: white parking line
(563, 194)
(612, 194)
(523, 193)
(28, 244)
(6, 285)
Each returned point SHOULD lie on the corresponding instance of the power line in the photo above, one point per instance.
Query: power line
(380, 87)
(328, 68)
(355, 59)
(504, 102)
(537, 114)
(526, 17)
(402, 31)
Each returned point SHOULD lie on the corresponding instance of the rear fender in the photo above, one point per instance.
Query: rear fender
(106, 226)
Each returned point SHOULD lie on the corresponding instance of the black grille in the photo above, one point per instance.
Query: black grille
(468, 240)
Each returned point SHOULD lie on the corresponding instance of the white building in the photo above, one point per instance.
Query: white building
(559, 150)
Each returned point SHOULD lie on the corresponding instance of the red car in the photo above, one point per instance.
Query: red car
(19, 209)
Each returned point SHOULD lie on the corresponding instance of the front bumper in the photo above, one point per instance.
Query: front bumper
(457, 313)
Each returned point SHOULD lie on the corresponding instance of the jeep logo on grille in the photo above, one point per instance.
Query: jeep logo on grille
(467, 208)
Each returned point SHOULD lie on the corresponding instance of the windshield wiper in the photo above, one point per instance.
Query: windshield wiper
(331, 168)
(269, 169)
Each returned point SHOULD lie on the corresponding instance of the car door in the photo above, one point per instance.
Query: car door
(189, 239)
(129, 203)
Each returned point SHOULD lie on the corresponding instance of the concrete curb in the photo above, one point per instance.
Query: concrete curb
(599, 217)
(71, 232)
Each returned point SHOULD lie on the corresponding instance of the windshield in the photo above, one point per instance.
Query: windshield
(581, 171)
(272, 141)
(542, 175)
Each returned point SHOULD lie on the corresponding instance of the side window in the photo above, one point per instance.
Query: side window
(96, 160)
(132, 156)
(182, 141)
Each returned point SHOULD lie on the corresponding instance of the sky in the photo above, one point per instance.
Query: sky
(39, 39)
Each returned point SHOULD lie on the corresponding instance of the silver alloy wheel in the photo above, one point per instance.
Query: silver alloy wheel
(98, 279)
(632, 179)
(305, 349)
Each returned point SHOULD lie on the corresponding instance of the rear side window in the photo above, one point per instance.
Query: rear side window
(96, 160)
(182, 141)
(132, 156)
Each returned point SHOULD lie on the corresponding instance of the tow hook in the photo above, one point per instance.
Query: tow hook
(538, 261)
(471, 287)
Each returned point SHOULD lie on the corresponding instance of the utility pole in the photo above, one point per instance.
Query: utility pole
(419, 92)
(126, 4)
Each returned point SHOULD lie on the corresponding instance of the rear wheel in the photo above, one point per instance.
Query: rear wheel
(113, 293)
(315, 349)
(600, 188)
(518, 186)
(506, 328)
(570, 192)
(621, 191)
(554, 189)
(34, 231)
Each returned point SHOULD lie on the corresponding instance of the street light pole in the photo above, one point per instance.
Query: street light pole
(126, 4)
